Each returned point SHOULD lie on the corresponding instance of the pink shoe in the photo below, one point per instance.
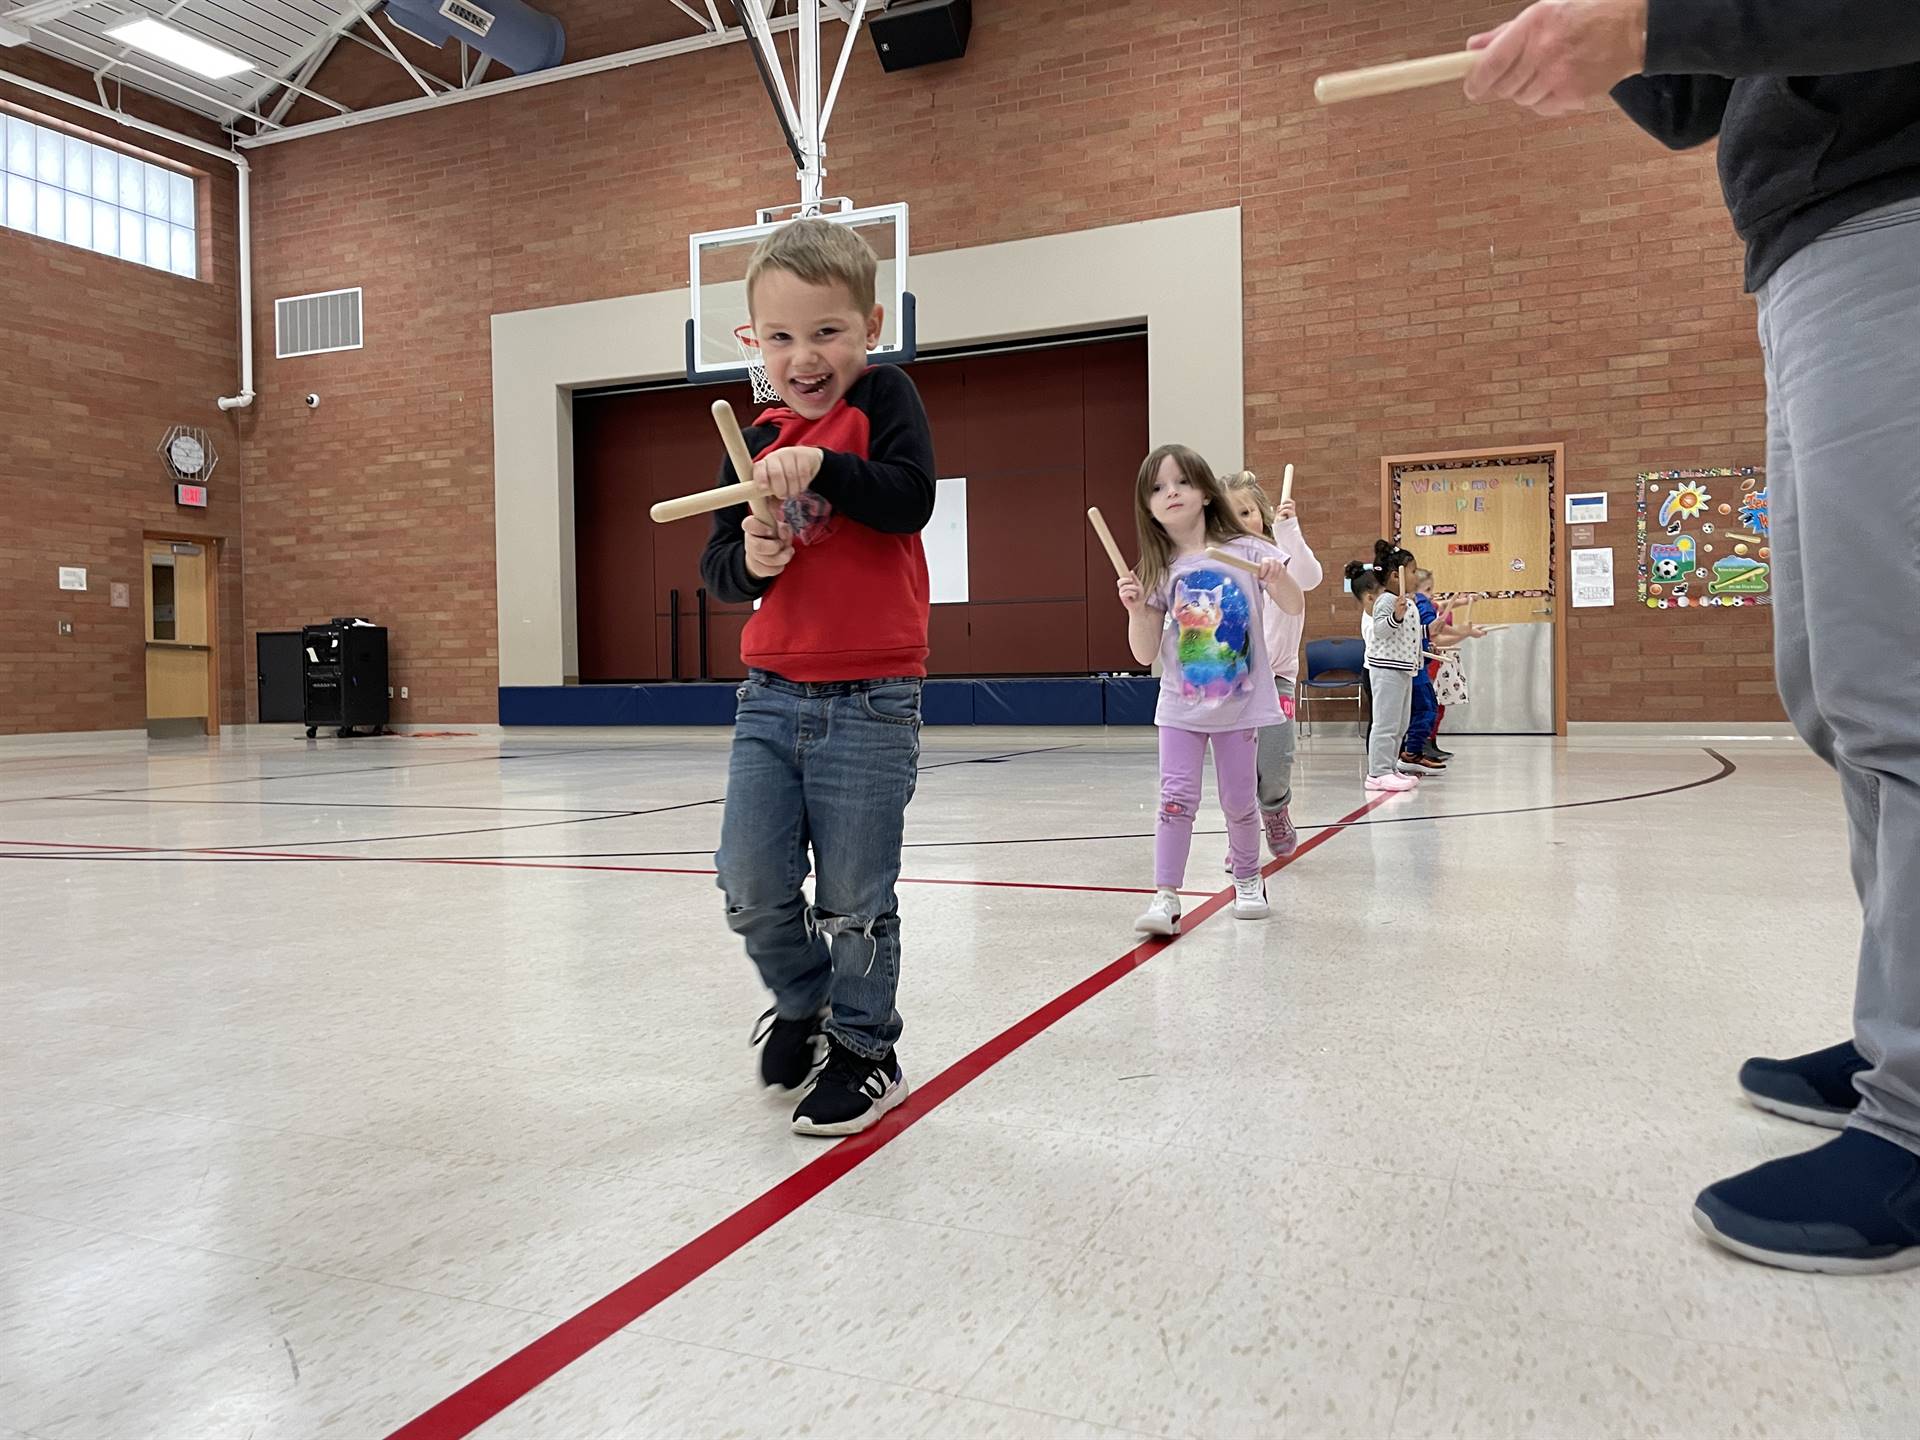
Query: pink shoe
(1282, 838)
(1391, 782)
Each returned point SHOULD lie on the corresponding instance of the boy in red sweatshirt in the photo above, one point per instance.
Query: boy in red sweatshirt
(826, 741)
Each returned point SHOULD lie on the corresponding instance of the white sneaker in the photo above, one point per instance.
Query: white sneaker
(1162, 917)
(1250, 898)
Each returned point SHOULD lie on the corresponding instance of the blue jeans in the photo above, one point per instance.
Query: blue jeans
(830, 767)
(1426, 711)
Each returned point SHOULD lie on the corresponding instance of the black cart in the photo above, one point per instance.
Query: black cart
(343, 680)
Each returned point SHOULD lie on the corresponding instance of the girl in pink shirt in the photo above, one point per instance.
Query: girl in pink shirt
(1204, 621)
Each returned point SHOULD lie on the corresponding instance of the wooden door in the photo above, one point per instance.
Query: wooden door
(1487, 523)
(180, 581)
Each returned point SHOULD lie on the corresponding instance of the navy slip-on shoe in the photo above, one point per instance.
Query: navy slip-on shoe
(1815, 1089)
(1851, 1207)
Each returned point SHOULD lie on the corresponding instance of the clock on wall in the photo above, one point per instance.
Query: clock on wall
(187, 452)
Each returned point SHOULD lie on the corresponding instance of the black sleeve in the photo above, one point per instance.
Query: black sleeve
(1680, 111)
(723, 564)
(891, 490)
(1739, 38)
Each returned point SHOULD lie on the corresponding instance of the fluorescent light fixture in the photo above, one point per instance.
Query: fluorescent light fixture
(176, 47)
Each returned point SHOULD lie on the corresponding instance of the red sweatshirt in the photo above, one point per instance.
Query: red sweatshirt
(852, 604)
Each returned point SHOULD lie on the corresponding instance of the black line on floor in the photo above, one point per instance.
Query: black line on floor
(1727, 769)
(347, 805)
(579, 818)
(297, 775)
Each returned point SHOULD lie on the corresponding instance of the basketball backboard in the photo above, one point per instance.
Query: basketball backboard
(717, 261)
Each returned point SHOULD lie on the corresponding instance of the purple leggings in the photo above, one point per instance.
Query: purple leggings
(1235, 771)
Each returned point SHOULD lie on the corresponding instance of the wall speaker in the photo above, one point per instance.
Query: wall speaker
(922, 32)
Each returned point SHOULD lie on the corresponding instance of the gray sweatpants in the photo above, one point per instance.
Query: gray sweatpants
(1840, 327)
(1276, 754)
(1392, 709)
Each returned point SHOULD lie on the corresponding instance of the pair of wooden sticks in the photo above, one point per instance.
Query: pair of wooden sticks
(743, 492)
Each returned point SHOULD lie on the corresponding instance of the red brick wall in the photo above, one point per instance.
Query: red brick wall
(1420, 275)
(100, 357)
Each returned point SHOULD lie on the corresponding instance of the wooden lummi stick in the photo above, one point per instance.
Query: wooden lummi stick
(1095, 519)
(729, 426)
(723, 497)
(1238, 562)
(1391, 79)
(1286, 485)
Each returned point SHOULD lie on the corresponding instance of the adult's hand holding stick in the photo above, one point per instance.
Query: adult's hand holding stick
(1392, 79)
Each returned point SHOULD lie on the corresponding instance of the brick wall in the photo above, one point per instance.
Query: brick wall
(100, 357)
(1420, 275)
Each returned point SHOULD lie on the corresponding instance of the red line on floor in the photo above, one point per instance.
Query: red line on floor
(477, 1402)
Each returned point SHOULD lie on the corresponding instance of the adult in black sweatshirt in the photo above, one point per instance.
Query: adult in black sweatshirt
(1816, 105)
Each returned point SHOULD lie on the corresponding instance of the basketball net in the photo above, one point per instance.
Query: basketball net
(763, 391)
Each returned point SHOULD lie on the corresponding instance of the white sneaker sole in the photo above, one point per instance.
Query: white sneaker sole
(893, 1098)
(1907, 1259)
(1825, 1119)
(1154, 925)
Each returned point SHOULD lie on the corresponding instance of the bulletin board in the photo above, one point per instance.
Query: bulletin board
(1704, 539)
(1485, 525)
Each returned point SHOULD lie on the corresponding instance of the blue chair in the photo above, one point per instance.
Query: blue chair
(1334, 666)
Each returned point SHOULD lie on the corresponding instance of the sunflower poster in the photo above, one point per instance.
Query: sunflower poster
(1703, 539)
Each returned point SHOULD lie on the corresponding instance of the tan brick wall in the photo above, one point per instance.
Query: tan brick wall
(1420, 275)
(100, 357)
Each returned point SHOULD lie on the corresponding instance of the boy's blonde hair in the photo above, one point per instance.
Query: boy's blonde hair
(1245, 482)
(818, 252)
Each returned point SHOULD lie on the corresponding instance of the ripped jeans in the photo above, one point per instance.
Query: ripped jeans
(826, 767)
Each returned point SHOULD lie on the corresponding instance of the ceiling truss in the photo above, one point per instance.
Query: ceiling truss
(288, 43)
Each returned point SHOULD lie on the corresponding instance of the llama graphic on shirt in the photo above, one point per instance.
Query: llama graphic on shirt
(1216, 636)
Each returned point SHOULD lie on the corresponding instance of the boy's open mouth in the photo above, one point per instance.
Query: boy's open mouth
(812, 386)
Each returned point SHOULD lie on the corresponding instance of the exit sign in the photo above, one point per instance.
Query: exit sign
(194, 495)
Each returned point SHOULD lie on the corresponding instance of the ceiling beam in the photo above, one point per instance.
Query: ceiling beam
(646, 54)
(694, 15)
(23, 16)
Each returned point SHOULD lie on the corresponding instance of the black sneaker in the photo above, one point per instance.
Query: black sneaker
(851, 1094)
(1434, 752)
(1814, 1089)
(1852, 1207)
(791, 1051)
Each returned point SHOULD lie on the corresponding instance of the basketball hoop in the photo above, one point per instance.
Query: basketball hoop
(763, 391)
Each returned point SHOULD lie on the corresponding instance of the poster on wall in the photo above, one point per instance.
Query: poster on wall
(1703, 539)
(1592, 578)
(945, 543)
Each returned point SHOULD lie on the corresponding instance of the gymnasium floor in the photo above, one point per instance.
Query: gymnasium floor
(338, 1074)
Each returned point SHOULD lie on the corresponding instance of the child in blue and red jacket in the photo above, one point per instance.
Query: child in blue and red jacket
(826, 739)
